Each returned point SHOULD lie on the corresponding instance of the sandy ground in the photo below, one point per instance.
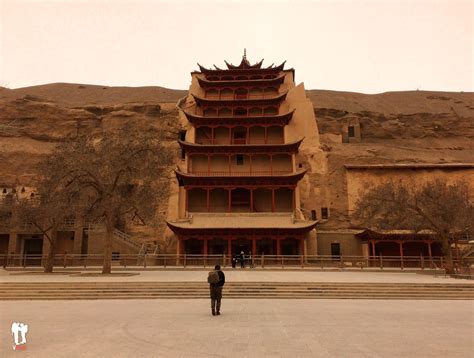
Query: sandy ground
(246, 328)
(232, 275)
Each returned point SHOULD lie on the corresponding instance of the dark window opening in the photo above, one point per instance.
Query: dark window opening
(300, 165)
(182, 135)
(239, 159)
(324, 213)
(313, 215)
(335, 250)
(115, 255)
(182, 154)
(351, 132)
(4, 191)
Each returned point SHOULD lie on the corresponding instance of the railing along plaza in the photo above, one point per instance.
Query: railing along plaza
(257, 261)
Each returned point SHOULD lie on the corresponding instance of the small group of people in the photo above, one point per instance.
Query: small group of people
(242, 259)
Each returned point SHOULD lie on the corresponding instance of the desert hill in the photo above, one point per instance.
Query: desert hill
(413, 126)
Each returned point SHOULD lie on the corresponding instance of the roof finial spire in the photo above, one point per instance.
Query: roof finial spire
(245, 53)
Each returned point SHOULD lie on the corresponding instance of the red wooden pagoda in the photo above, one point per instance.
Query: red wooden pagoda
(238, 183)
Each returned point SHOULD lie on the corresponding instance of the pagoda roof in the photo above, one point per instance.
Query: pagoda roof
(205, 83)
(230, 223)
(239, 179)
(397, 234)
(281, 119)
(238, 71)
(291, 147)
(244, 64)
(232, 102)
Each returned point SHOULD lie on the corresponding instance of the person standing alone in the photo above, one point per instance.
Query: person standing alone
(216, 280)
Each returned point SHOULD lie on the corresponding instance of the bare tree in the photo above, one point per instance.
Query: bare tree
(443, 208)
(120, 175)
(47, 210)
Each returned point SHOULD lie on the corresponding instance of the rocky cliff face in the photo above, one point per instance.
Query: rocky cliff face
(396, 127)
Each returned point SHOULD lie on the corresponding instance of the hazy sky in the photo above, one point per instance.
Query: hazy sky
(363, 46)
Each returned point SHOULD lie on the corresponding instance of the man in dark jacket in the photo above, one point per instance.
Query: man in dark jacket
(216, 292)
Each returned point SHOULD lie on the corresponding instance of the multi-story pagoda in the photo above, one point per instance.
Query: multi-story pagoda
(238, 182)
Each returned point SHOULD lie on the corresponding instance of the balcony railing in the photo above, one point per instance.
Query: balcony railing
(241, 173)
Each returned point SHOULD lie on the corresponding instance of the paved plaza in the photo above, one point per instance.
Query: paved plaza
(246, 328)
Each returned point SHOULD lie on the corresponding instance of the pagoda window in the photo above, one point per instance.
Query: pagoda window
(261, 164)
(240, 111)
(282, 164)
(210, 112)
(262, 200)
(221, 135)
(203, 135)
(255, 92)
(227, 78)
(255, 111)
(227, 93)
(324, 213)
(197, 200)
(242, 78)
(239, 159)
(240, 200)
(239, 135)
(256, 135)
(275, 135)
(241, 93)
(225, 112)
(256, 77)
(284, 200)
(212, 93)
(313, 215)
(270, 111)
(270, 91)
(218, 200)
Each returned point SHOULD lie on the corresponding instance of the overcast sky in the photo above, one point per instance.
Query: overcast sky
(361, 46)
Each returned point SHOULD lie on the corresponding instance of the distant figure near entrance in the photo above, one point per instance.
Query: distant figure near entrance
(216, 280)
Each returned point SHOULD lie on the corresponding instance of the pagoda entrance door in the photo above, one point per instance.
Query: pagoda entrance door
(241, 244)
(290, 246)
(266, 246)
(217, 246)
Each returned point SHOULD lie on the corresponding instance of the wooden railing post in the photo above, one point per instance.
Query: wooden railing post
(422, 262)
(263, 260)
(302, 261)
(381, 262)
(64, 260)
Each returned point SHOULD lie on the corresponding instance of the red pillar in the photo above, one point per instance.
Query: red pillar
(186, 199)
(294, 199)
(271, 164)
(254, 247)
(373, 247)
(266, 135)
(247, 136)
(230, 135)
(229, 247)
(429, 253)
(251, 200)
(229, 198)
(208, 165)
(302, 246)
(250, 158)
(212, 135)
(273, 200)
(208, 204)
(230, 161)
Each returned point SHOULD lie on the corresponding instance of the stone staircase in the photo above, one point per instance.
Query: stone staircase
(234, 290)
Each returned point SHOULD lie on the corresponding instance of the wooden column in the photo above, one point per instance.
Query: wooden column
(294, 199)
(208, 165)
(247, 136)
(251, 200)
(301, 246)
(208, 204)
(271, 164)
(229, 198)
(254, 247)
(230, 135)
(266, 135)
(250, 160)
(273, 200)
(186, 190)
(212, 135)
(372, 242)
(278, 246)
(230, 162)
